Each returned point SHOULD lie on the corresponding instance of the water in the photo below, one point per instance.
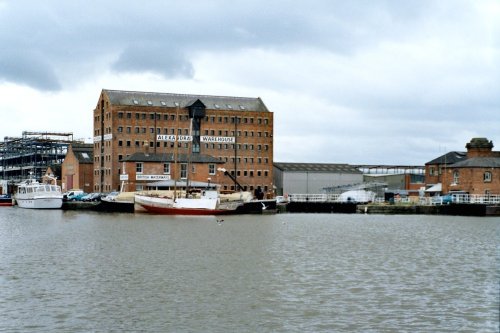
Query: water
(93, 272)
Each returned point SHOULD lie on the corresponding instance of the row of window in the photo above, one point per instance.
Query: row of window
(139, 169)
(182, 131)
(487, 176)
(172, 117)
(218, 146)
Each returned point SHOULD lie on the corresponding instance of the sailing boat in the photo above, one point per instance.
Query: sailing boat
(206, 201)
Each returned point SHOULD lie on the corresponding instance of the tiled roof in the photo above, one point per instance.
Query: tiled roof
(120, 97)
(449, 158)
(84, 152)
(170, 158)
(478, 162)
(317, 167)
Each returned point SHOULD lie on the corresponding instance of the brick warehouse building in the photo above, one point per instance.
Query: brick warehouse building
(134, 135)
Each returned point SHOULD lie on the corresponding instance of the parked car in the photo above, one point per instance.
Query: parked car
(73, 195)
(94, 196)
(111, 196)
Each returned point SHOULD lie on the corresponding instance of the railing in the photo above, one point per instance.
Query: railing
(313, 197)
(492, 199)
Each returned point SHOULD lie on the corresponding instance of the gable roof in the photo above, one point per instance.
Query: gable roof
(317, 167)
(84, 152)
(139, 98)
(449, 158)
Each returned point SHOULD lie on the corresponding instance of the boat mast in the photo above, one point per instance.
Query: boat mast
(190, 151)
(176, 142)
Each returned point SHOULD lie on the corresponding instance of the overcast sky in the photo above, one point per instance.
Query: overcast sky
(358, 82)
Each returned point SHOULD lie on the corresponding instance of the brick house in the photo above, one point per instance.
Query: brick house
(142, 169)
(476, 171)
(77, 168)
(232, 132)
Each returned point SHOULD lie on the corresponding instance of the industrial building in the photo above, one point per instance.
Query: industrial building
(140, 137)
(32, 154)
(313, 178)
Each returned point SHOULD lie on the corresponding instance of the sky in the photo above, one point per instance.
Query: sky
(357, 82)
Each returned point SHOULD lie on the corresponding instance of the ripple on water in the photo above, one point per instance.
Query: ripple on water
(280, 273)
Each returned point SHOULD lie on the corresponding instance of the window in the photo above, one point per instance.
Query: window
(120, 115)
(184, 169)
(211, 169)
(166, 168)
(487, 177)
(456, 177)
(138, 167)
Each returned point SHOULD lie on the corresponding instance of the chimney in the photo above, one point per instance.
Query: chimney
(479, 147)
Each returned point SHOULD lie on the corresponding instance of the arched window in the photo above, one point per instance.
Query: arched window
(487, 177)
(456, 176)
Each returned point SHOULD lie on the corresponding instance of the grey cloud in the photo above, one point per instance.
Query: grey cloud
(162, 59)
(25, 69)
(162, 36)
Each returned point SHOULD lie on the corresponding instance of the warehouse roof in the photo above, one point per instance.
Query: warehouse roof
(139, 98)
(317, 167)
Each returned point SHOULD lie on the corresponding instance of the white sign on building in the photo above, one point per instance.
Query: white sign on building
(173, 138)
(152, 177)
(217, 139)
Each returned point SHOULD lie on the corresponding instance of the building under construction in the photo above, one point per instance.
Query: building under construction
(30, 155)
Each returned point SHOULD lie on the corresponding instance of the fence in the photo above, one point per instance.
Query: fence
(492, 199)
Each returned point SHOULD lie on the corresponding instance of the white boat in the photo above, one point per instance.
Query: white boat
(205, 202)
(32, 194)
(357, 196)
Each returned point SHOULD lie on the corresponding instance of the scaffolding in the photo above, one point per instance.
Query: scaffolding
(29, 156)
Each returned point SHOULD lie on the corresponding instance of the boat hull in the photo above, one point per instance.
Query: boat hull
(40, 203)
(186, 211)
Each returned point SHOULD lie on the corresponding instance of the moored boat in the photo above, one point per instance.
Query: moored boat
(32, 194)
(6, 200)
(207, 202)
